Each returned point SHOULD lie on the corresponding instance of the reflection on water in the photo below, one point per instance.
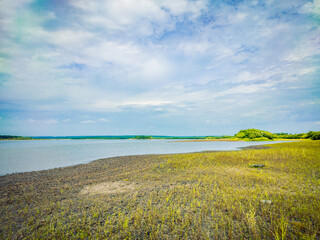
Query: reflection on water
(23, 156)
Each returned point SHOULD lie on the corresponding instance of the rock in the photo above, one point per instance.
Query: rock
(257, 166)
(266, 201)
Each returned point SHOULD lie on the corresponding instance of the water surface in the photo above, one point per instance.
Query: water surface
(24, 156)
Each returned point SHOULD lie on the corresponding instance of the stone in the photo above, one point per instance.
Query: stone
(257, 166)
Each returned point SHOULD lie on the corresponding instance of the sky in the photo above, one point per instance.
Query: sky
(158, 67)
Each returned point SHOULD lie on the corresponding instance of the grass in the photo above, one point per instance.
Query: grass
(210, 195)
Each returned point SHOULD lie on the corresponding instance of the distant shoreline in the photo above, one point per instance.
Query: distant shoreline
(134, 156)
(243, 135)
(176, 139)
(237, 140)
(90, 154)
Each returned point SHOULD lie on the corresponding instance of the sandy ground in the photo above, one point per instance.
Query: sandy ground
(109, 188)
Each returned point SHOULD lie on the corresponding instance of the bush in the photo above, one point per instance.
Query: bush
(313, 135)
(142, 137)
(290, 136)
(253, 134)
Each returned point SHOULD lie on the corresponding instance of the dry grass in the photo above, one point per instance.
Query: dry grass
(108, 188)
(212, 195)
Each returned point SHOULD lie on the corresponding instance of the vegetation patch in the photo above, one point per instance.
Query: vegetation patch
(108, 188)
(9, 137)
(254, 134)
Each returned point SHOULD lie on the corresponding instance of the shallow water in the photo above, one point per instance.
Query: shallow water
(24, 156)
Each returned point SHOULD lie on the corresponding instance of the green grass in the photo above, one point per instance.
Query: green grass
(212, 195)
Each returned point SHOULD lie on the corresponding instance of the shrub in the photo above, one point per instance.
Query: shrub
(313, 135)
(254, 133)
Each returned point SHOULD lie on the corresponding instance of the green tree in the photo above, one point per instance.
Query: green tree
(253, 133)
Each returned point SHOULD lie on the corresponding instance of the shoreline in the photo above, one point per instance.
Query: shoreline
(238, 140)
(96, 164)
(155, 154)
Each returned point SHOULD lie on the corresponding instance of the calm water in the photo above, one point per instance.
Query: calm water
(24, 156)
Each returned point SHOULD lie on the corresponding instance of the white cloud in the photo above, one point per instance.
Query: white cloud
(114, 52)
(155, 68)
(103, 120)
(121, 15)
(142, 17)
(179, 7)
(247, 89)
(246, 77)
(88, 121)
(145, 102)
(195, 48)
(95, 121)
(311, 7)
(8, 11)
(31, 120)
(51, 121)
(68, 39)
(305, 49)
(66, 120)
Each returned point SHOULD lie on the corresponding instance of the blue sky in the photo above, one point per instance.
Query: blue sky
(183, 67)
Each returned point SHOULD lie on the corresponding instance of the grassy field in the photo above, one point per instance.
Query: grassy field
(210, 195)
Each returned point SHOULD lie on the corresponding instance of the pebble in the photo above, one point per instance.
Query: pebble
(266, 201)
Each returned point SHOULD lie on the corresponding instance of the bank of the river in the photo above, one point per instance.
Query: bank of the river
(25, 156)
(240, 140)
(209, 195)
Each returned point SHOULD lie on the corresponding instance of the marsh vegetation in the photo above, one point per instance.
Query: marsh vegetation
(208, 195)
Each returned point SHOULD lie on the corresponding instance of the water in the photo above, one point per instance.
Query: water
(25, 156)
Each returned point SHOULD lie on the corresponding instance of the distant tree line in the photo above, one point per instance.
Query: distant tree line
(142, 137)
(218, 137)
(261, 134)
(313, 135)
(250, 134)
(9, 137)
